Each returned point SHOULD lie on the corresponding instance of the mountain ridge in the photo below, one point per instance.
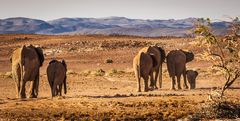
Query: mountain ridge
(106, 26)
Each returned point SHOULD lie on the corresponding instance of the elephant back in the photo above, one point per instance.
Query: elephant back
(53, 61)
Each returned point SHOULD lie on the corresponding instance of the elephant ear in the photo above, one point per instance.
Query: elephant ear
(162, 53)
(196, 73)
(40, 55)
(64, 64)
(189, 56)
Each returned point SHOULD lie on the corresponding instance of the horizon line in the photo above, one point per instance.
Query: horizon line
(109, 17)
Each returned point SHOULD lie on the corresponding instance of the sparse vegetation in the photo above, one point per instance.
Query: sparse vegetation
(98, 72)
(98, 91)
(221, 110)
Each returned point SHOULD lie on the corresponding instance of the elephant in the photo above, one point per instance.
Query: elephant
(26, 62)
(158, 55)
(143, 67)
(56, 73)
(176, 66)
(191, 77)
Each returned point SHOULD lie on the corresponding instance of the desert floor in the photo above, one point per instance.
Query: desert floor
(107, 91)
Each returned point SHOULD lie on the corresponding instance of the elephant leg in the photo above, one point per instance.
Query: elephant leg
(155, 80)
(22, 93)
(138, 77)
(173, 83)
(54, 89)
(139, 85)
(36, 86)
(60, 89)
(160, 76)
(146, 83)
(57, 90)
(31, 90)
(151, 80)
(185, 80)
(17, 79)
(178, 81)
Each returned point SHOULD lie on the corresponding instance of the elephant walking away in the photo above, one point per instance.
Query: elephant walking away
(158, 57)
(26, 62)
(176, 65)
(142, 65)
(56, 73)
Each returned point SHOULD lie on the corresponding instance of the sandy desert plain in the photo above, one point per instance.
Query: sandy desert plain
(98, 90)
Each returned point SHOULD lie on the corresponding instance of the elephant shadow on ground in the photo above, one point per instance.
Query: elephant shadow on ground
(133, 95)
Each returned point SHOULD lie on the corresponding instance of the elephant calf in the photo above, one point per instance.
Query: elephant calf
(191, 77)
(56, 73)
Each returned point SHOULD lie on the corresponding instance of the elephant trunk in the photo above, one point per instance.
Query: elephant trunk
(65, 85)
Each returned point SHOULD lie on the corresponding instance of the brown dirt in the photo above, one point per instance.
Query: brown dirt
(109, 95)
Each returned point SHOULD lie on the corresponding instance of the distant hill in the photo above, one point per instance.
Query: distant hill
(106, 26)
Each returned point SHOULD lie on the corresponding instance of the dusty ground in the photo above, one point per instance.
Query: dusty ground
(104, 91)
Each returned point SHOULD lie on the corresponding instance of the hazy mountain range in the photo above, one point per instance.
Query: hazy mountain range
(106, 26)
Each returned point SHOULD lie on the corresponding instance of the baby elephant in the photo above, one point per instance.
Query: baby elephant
(191, 77)
(56, 73)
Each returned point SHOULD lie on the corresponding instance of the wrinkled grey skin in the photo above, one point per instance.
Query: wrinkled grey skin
(176, 65)
(56, 73)
(142, 65)
(26, 62)
(191, 77)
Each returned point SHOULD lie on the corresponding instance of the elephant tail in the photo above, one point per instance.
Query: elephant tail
(65, 85)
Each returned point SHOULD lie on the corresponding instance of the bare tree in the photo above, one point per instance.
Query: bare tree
(224, 51)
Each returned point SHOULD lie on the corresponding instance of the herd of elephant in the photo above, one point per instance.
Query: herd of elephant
(148, 63)
(27, 60)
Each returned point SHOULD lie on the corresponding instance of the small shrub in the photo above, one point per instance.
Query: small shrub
(71, 72)
(99, 72)
(109, 61)
(85, 73)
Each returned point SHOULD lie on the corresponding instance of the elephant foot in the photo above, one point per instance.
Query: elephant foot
(22, 96)
(32, 96)
(146, 90)
(173, 88)
(185, 87)
(179, 88)
(150, 89)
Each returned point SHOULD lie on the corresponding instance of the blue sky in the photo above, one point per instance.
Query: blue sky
(138, 9)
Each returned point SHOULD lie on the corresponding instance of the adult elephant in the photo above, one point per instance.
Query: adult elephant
(26, 62)
(56, 73)
(176, 65)
(143, 68)
(158, 56)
